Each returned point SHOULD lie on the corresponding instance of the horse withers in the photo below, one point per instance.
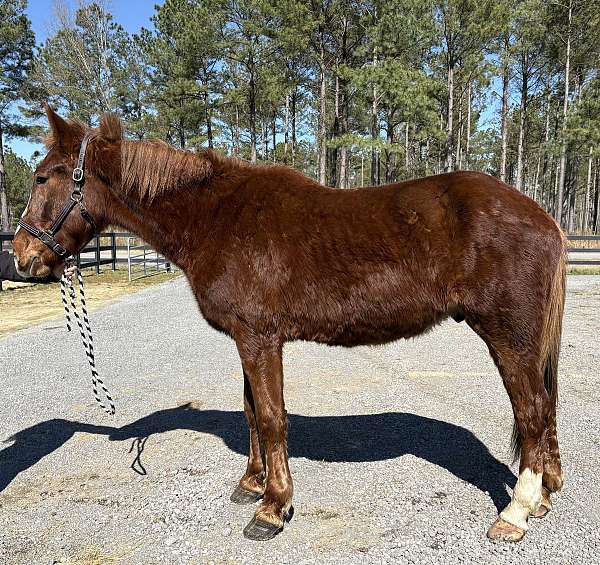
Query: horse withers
(272, 256)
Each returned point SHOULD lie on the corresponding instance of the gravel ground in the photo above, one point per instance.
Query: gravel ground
(399, 453)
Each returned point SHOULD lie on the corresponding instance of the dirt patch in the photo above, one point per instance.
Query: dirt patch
(442, 374)
(27, 305)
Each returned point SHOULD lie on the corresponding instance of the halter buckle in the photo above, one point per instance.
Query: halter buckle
(50, 242)
(77, 174)
(77, 196)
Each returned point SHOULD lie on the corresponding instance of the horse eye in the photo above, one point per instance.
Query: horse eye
(40, 180)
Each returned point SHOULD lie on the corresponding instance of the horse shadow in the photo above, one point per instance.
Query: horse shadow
(356, 438)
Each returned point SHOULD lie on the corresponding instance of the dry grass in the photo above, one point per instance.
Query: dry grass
(590, 270)
(584, 244)
(26, 305)
(91, 555)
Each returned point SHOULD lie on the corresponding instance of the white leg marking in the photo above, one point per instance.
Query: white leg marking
(526, 499)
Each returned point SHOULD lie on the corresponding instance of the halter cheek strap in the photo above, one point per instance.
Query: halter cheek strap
(76, 199)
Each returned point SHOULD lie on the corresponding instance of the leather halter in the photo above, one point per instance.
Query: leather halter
(75, 199)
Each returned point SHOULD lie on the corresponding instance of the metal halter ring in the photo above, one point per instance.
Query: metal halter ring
(77, 174)
(77, 196)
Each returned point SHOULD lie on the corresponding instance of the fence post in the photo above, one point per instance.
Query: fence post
(98, 254)
(129, 258)
(1, 250)
(114, 251)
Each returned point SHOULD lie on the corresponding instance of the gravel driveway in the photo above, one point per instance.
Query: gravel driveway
(399, 454)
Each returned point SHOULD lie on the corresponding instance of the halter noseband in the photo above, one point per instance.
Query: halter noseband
(76, 198)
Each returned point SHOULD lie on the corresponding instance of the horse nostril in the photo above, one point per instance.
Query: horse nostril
(26, 265)
(21, 265)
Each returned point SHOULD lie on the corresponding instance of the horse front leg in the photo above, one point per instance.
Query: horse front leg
(261, 359)
(252, 484)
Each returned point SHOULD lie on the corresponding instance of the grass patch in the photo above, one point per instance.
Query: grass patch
(26, 305)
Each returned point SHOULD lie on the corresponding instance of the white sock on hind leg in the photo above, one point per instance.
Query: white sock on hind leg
(526, 498)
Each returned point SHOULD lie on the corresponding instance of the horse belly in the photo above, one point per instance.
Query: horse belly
(374, 325)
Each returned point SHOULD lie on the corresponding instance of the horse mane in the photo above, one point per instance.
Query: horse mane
(151, 168)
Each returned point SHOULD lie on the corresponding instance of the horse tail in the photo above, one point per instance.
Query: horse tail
(550, 337)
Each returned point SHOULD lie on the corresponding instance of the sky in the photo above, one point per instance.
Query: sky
(131, 14)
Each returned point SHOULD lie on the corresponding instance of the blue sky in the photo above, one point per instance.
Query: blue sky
(131, 14)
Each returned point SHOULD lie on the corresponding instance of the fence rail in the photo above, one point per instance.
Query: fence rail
(110, 248)
(584, 256)
(114, 248)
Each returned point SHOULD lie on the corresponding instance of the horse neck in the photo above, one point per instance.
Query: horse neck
(174, 223)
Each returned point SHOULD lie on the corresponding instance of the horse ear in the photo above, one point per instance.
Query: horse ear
(62, 133)
(111, 127)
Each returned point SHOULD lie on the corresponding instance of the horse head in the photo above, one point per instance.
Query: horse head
(68, 198)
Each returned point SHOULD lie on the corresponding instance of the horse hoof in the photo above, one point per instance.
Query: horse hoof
(258, 530)
(541, 511)
(504, 531)
(242, 496)
(545, 506)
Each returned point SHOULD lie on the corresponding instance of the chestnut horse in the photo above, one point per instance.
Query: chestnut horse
(272, 257)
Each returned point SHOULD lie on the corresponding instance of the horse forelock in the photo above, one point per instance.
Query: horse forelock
(152, 168)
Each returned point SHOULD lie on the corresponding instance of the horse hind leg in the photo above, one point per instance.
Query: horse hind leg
(515, 350)
(552, 480)
(530, 407)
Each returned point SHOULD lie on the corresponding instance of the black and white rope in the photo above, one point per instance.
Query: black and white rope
(63, 295)
(66, 284)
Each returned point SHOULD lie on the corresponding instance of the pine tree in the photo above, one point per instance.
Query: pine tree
(16, 50)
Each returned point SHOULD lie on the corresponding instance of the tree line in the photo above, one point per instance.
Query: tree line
(350, 92)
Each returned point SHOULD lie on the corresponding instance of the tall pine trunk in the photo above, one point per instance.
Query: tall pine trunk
(459, 147)
(468, 138)
(207, 117)
(344, 155)
(236, 132)
(596, 218)
(588, 189)
(450, 121)
(252, 105)
(322, 118)
(545, 189)
(286, 127)
(274, 135)
(294, 96)
(407, 149)
(522, 119)
(334, 178)
(504, 117)
(374, 131)
(563, 149)
(4, 215)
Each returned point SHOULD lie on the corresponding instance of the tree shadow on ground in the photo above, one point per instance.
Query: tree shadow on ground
(357, 438)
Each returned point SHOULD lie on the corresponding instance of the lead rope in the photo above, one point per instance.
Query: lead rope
(87, 340)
